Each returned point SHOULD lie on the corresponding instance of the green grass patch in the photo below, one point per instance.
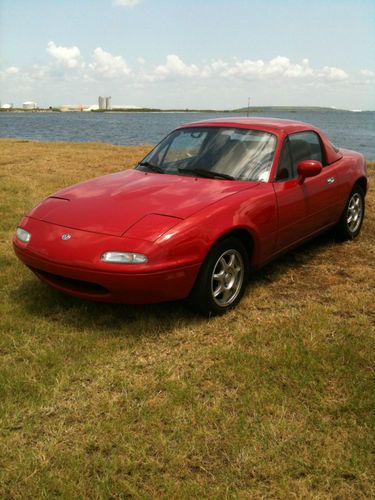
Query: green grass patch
(275, 399)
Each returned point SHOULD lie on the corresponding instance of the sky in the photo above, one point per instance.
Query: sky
(211, 54)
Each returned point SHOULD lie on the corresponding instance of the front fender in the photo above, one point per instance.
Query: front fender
(254, 211)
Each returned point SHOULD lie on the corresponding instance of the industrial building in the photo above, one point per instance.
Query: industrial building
(105, 102)
(29, 105)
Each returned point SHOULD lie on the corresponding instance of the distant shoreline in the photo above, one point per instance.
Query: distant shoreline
(251, 110)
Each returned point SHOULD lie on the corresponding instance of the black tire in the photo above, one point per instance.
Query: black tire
(350, 223)
(228, 261)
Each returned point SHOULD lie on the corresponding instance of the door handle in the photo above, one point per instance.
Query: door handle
(330, 180)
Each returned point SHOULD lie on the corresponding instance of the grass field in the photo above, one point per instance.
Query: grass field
(275, 399)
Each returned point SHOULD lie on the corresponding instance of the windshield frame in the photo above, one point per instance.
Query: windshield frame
(174, 169)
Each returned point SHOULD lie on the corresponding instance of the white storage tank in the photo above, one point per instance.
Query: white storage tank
(29, 105)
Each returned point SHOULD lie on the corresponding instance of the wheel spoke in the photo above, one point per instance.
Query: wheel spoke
(227, 294)
(223, 263)
(231, 261)
(218, 276)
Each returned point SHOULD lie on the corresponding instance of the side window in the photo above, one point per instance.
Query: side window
(305, 146)
(285, 168)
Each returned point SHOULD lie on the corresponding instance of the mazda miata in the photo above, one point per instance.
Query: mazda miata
(212, 201)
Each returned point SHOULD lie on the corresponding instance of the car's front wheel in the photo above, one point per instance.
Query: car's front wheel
(222, 279)
(351, 220)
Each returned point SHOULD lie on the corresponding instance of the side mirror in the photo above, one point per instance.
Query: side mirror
(308, 168)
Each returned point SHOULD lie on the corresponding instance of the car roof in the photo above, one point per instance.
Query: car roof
(278, 126)
(266, 124)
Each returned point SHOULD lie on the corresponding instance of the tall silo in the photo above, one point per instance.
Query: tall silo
(101, 102)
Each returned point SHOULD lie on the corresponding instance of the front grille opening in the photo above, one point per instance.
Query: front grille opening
(71, 284)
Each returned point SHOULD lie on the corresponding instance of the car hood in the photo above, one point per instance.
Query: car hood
(114, 203)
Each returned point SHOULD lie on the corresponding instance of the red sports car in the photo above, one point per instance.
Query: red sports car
(213, 200)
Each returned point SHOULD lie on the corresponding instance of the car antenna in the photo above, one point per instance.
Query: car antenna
(248, 106)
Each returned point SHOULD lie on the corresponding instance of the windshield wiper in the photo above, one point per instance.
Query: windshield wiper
(150, 166)
(206, 173)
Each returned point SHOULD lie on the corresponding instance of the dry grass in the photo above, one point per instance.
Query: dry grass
(276, 399)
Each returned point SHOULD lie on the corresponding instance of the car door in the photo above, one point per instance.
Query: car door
(304, 209)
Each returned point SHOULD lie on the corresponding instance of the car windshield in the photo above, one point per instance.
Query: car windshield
(215, 152)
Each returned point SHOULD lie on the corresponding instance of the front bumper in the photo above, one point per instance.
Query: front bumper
(77, 272)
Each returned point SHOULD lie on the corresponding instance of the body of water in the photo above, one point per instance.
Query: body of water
(346, 129)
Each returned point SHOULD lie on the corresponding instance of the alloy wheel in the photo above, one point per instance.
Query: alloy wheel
(354, 212)
(227, 277)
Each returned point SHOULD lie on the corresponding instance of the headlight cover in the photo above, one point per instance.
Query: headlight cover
(124, 258)
(23, 235)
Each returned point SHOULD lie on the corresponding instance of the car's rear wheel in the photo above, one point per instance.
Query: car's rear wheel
(222, 279)
(351, 220)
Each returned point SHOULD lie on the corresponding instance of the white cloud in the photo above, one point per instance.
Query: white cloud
(37, 72)
(285, 80)
(242, 69)
(126, 3)
(175, 66)
(70, 57)
(279, 67)
(367, 73)
(215, 68)
(332, 73)
(107, 65)
(12, 70)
